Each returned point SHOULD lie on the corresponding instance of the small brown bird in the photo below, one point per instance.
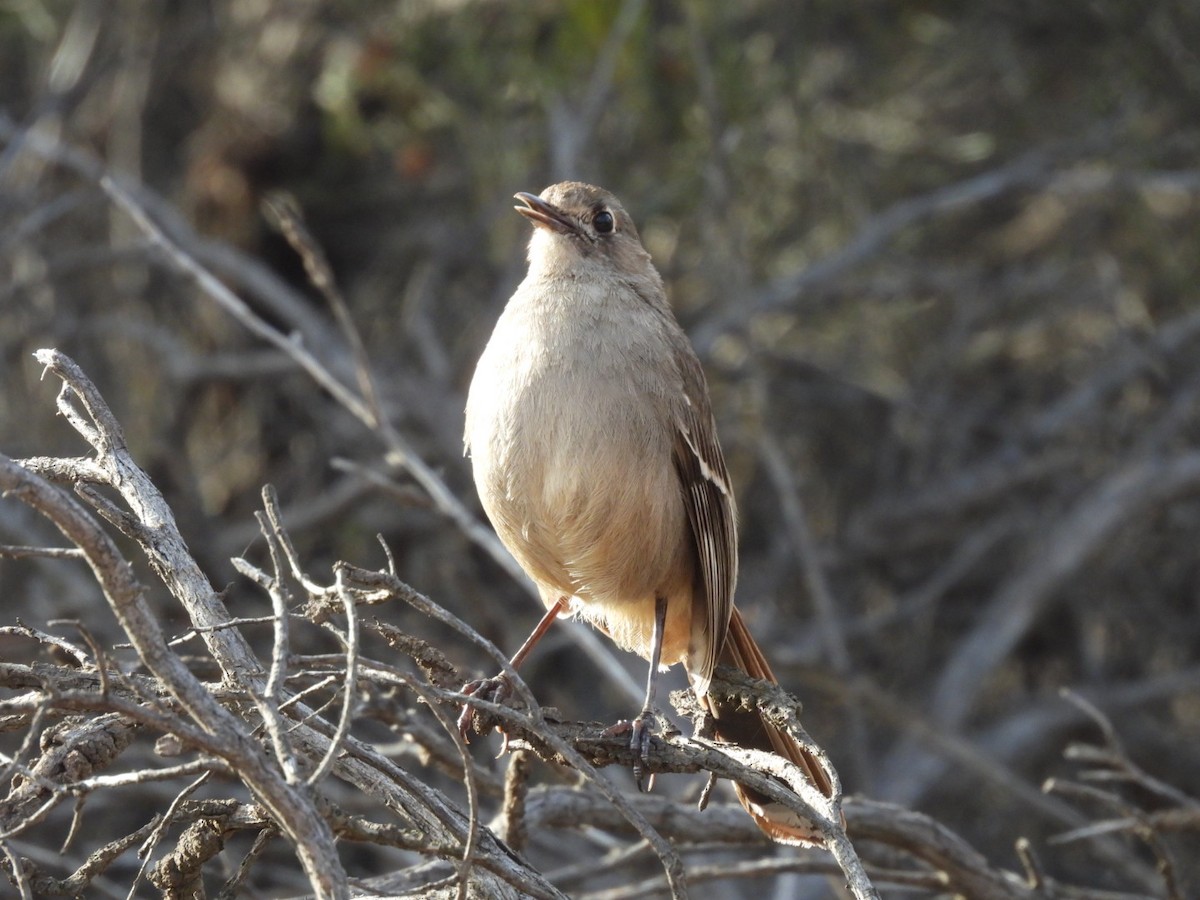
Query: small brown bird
(595, 455)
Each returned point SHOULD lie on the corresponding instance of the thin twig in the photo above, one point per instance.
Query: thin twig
(349, 686)
(146, 850)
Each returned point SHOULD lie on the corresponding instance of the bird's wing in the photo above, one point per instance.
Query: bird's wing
(712, 513)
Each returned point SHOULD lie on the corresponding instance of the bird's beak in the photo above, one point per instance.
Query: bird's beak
(543, 214)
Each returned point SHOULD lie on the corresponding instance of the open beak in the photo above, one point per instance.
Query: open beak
(543, 214)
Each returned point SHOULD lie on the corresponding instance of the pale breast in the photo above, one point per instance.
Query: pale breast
(571, 450)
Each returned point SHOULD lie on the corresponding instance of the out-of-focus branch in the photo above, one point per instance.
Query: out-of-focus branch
(1131, 491)
(572, 124)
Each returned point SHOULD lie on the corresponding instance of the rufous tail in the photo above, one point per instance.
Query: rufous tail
(746, 728)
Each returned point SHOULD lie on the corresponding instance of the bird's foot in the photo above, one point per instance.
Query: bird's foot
(640, 741)
(641, 731)
(496, 689)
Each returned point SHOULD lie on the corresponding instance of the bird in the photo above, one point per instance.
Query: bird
(595, 455)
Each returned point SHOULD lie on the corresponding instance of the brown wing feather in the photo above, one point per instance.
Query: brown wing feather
(720, 634)
(713, 517)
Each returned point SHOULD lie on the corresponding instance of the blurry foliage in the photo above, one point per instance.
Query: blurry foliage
(914, 393)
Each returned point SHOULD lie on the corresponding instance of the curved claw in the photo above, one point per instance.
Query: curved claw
(640, 741)
(495, 689)
(641, 731)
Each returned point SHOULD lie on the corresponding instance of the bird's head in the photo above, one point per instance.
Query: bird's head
(582, 229)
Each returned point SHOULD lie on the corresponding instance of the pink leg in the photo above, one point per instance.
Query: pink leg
(498, 687)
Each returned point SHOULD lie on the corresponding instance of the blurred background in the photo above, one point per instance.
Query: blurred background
(940, 261)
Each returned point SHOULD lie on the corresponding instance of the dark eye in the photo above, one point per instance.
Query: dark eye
(603, 222)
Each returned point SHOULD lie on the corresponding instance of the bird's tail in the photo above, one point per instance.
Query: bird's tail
(747, 728)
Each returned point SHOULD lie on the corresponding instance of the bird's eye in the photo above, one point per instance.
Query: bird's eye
(603, 222)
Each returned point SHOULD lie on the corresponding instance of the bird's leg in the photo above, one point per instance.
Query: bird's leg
(498, 687)
(643, 725)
